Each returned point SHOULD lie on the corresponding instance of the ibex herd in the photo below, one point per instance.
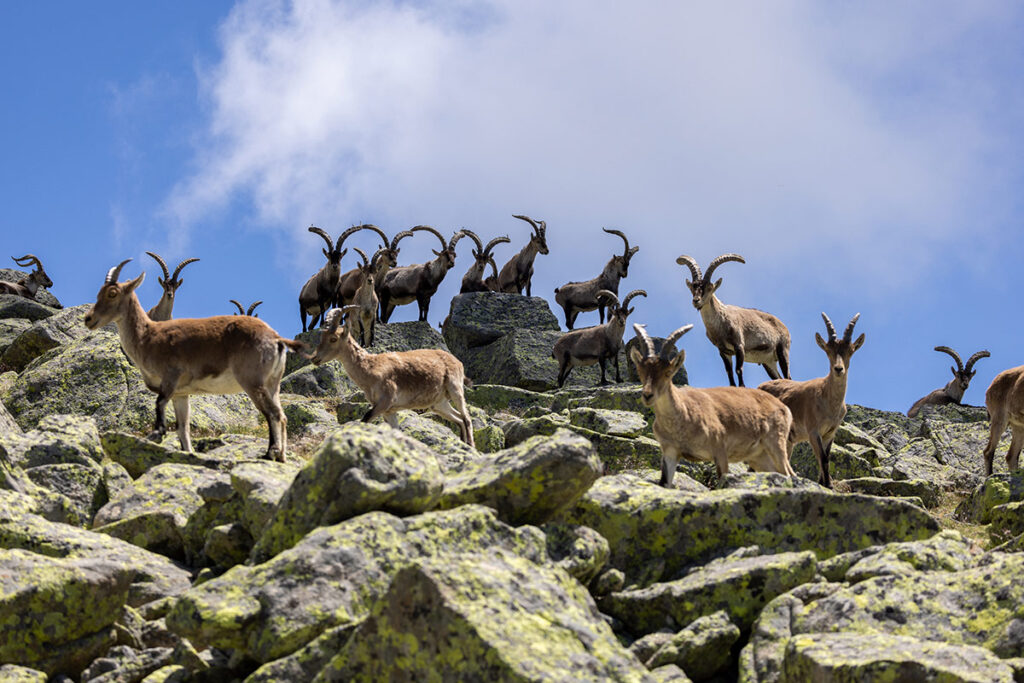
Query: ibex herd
(239, 353)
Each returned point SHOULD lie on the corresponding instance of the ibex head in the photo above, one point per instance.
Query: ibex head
(332, 253)
(621, 263)
(38, 275)
(701, 287)
(540, 231)
(170, 282)
(620, 311)
(963, 374)
(656, 370)
(447, 253)
(113, 298)
(839, 350)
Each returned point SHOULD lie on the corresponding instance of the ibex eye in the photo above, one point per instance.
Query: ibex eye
(112, 293)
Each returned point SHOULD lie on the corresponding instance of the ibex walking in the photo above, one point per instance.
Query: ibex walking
(597, 344)
(576, 297)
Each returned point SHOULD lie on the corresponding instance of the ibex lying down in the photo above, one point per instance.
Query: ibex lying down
(720, 425)
(31, 283)
(170, 283)
(954, 391)
(575, 297)
(421, 379)
(749, 334)
(819, 405)
(226, 354)
(1005, 402)
(596, 344)
(517, 274)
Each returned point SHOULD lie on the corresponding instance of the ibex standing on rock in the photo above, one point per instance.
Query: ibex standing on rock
(517, 274)
(819, 405)
(576, 297)
(365, 299)
(317, 295)
(386, 258)
(170, 284)
(30, 284)
(226, 354)
(719, 425)
(596, 344)
(1004, 400)
(473, 280)
(954, 391)
(418, 283)
(747, 333)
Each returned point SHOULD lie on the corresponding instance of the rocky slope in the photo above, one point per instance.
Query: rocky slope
(549, 554)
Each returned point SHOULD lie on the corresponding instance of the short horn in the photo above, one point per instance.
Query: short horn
(832, 336)
(674, 337)
(644, 339)
(241, 311)
(848, 334)
(322, 233)
(975, 358)
(954, 354)
(253, 307)
(724, 258)
(690, 263)
(181, 266)
(114, 272)
(163, 266)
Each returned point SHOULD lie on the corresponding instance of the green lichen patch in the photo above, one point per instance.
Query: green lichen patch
(138, 455)
(998, 489)
(497, 397)
(261, 485)
(12, 673)
(577, 549)
(929, 494)
(702, 649)
(83, 486)
(452, 452)
(946, 551)
(1005, 522)
(611, 422)
(327, 380)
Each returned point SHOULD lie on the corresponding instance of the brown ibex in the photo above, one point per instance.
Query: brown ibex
(386, 258)
(596, 344)
(30, 284)
(1004, 400)
(720, 425)
(749, 334)
(473, 280)
(517, 274)
(170, 284)
(365, 299)
(317, 295)
(954, 391)
(405, 284)
(576, 297)
(226, 354)
(819, 405)
(243, 311)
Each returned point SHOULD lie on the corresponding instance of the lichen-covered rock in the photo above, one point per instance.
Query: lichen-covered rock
(12, 673)
(332, 577)
(49, 605)
(616, 453)
(8, 425)
(228, 544)
(82, 485)
(578, 550)
(138, 455)
(43, 335)
(530, 483)
(329, 380)
(261, 485)
(496, 397)
(57, 439)
(702, 649)
(998, 489)
(127, 664)
(844, 463)
(405, 336)
(452, 453)
(929, 494)
(656, 532)
(740, 587)
(946, 551)
(359, 468)
(43, 295)
(10, 328)
(306, 662)
(439, 620)
(12, 306)
(670, 673)
(307, 417)
(1005, 522)
(918, 460)
(611, 422)
(480, 318)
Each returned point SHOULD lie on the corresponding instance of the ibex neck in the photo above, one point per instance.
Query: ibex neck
(355, 359)
(131, 327)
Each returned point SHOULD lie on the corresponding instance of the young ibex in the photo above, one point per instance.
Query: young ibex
(749, 334)
(365, 298)
(576, 297)
(405, 284)
(31, 283)
(719, 425)
(243, 311)
(170, 284)
(1004, 400)
(517, 274)
(954, 391)
(596, 344)
(226, 354)
(398, 380)
(386, 258)
(819, 405)
(317, 295)
(473, 280)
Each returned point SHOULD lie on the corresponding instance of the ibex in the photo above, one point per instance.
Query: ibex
(31, 283)
(517, 274)
(819, 405)
(576, 297)
(365, 299)
(720, 425)
(749, 334)
(317, 295)
(386, 258)
(170, 284)
(405, 284)
(954, 391)
(243, 311)
(1004, 400)
(473, 280)
(429, 379)
(596, 344)
(226, 354)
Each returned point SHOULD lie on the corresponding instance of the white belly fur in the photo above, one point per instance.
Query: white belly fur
(223, 383)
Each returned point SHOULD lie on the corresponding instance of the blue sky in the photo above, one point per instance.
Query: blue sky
(861, 157)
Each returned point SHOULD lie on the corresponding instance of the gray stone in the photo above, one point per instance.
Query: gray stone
(12, 306)
(43, 335)
(481, 318)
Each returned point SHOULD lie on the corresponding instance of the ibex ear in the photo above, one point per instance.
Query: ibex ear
(860, 342)
(326, 255)
(180, 282)
(344, 251)
(635, 355)
(718, 283)
(689, 285)
(677, 361)
(136, 282)
(163, 283)
(633, 250)
(953, 370)
(436, 253)
(821, 342)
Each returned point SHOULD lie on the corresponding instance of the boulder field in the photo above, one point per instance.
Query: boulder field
(549, 554)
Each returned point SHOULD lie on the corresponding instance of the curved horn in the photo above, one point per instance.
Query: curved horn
(624, 239)
(724, 258)
(494, 266)
(366, 261)
(848, 334)
(356, 228)
(114, 272)
(828, 326)
(27, 260)
(182, 265)
(629, 297)
(974, 359)
(690, 263)
(529, 220)
(333, 317)
(473, 236)
(163, 266)
(644, 339)
(674, 337)
(495, 242)
(398, 238)
(608, 294)
(427, 228)
(956, 356)
(458, 236)
(327, 238)
(241, 311)
(253, 307)
(351, 308)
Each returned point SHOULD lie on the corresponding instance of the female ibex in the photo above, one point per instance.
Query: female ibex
(954, 391)
(747, 333)
(596, 344)
(719, 425)
(317, 295)
(1004, 400)
(365, 299)
(31, 283)
(226, 354)
(576, 297)
(170, 284)
(386, 258)
(473, 280)
(517, 274)
(405, 284)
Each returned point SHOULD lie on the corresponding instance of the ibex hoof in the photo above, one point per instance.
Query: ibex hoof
(274, 454)
(155, 436)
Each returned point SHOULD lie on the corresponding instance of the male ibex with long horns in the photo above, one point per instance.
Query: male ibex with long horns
(385, 258)
(597, 344)
(30, 284)
(954, 391)
(517, 273)
(170, 284)
(576, 297)
(320, 290)
(405, 284)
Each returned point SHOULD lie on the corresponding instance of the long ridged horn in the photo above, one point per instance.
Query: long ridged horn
(473, 236)
(253, 308)
(182, 265)
(644, 339)
(536, 228)
(356, 228)
(719, 260)
(27, 260)
(494, 266)
(114, 272)
(674, 337)
(163, 266)
(848, 334)
(495, 242)
(632, 295)
(832, 336)
(974, 359)
(241, 311)
(322, 233)
(625, 252)
(333, 319)
(690, 263)
(398, 238)
(954, 354)
(427, 228)
(608, 294)
(366, 261)
(458, 236)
